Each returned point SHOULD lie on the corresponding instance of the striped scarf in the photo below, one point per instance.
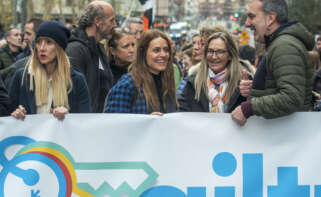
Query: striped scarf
(217, 86)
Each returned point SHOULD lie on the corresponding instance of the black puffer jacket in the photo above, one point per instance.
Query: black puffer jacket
(84, 53)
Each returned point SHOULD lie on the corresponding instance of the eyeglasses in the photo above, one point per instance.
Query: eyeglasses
(218, 53)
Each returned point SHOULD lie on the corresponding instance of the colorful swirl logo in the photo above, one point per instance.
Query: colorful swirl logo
(64, 168)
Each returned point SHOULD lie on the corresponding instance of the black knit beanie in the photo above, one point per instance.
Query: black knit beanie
(54, 30)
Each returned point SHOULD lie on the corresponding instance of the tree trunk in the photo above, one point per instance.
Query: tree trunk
(61, 12)
(6, 9)
(81, 5)
(73, 12)
(1, 11)
(23, 9)
(113, 4)
(30, 9)
(49, 5)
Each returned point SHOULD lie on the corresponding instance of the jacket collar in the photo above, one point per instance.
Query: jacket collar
(81, 35)
(269, 38)
(7, 49)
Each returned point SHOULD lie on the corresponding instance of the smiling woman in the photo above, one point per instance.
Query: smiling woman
(215, 86)
(48, 84)
(149, 87)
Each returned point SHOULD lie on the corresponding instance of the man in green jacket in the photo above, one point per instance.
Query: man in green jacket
(283, 80)
(9, 52)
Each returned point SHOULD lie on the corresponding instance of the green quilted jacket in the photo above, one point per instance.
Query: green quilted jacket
(6, 60)
(288, 80)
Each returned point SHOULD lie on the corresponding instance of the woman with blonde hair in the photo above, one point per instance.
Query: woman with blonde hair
(149, 87)
(48, 84)
(215, 87)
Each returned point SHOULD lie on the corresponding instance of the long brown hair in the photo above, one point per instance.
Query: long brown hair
(315, 58)
(142, 76)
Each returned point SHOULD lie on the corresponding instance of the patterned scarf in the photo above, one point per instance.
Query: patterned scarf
(217, 86)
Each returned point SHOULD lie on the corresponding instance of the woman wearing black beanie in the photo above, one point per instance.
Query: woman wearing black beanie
(48, 84)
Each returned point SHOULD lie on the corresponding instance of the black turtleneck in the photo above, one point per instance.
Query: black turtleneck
(118, 71)
(158, 85)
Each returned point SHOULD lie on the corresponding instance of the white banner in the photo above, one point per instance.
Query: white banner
(175, 155)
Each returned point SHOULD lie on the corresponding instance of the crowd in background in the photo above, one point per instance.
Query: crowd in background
(97, 66)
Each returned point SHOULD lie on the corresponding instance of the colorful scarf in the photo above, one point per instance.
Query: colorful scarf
(217, 86)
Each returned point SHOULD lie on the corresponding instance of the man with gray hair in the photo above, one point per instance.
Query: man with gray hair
(135, 27)
(282, 83)
(29, 35)
(10, 51)
(87, 54)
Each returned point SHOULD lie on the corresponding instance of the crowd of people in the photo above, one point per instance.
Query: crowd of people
(99, 67)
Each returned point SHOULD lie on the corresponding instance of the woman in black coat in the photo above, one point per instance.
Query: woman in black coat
(215, 86)
(48, 84)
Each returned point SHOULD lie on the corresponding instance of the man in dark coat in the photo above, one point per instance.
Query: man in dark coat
(9, 51)
(29, 35)
(135, 27)
(87, 54)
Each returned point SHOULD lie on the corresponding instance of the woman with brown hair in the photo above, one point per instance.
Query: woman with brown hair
(48, 84)
(120, 51)
(315, 58)
(149, 87)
